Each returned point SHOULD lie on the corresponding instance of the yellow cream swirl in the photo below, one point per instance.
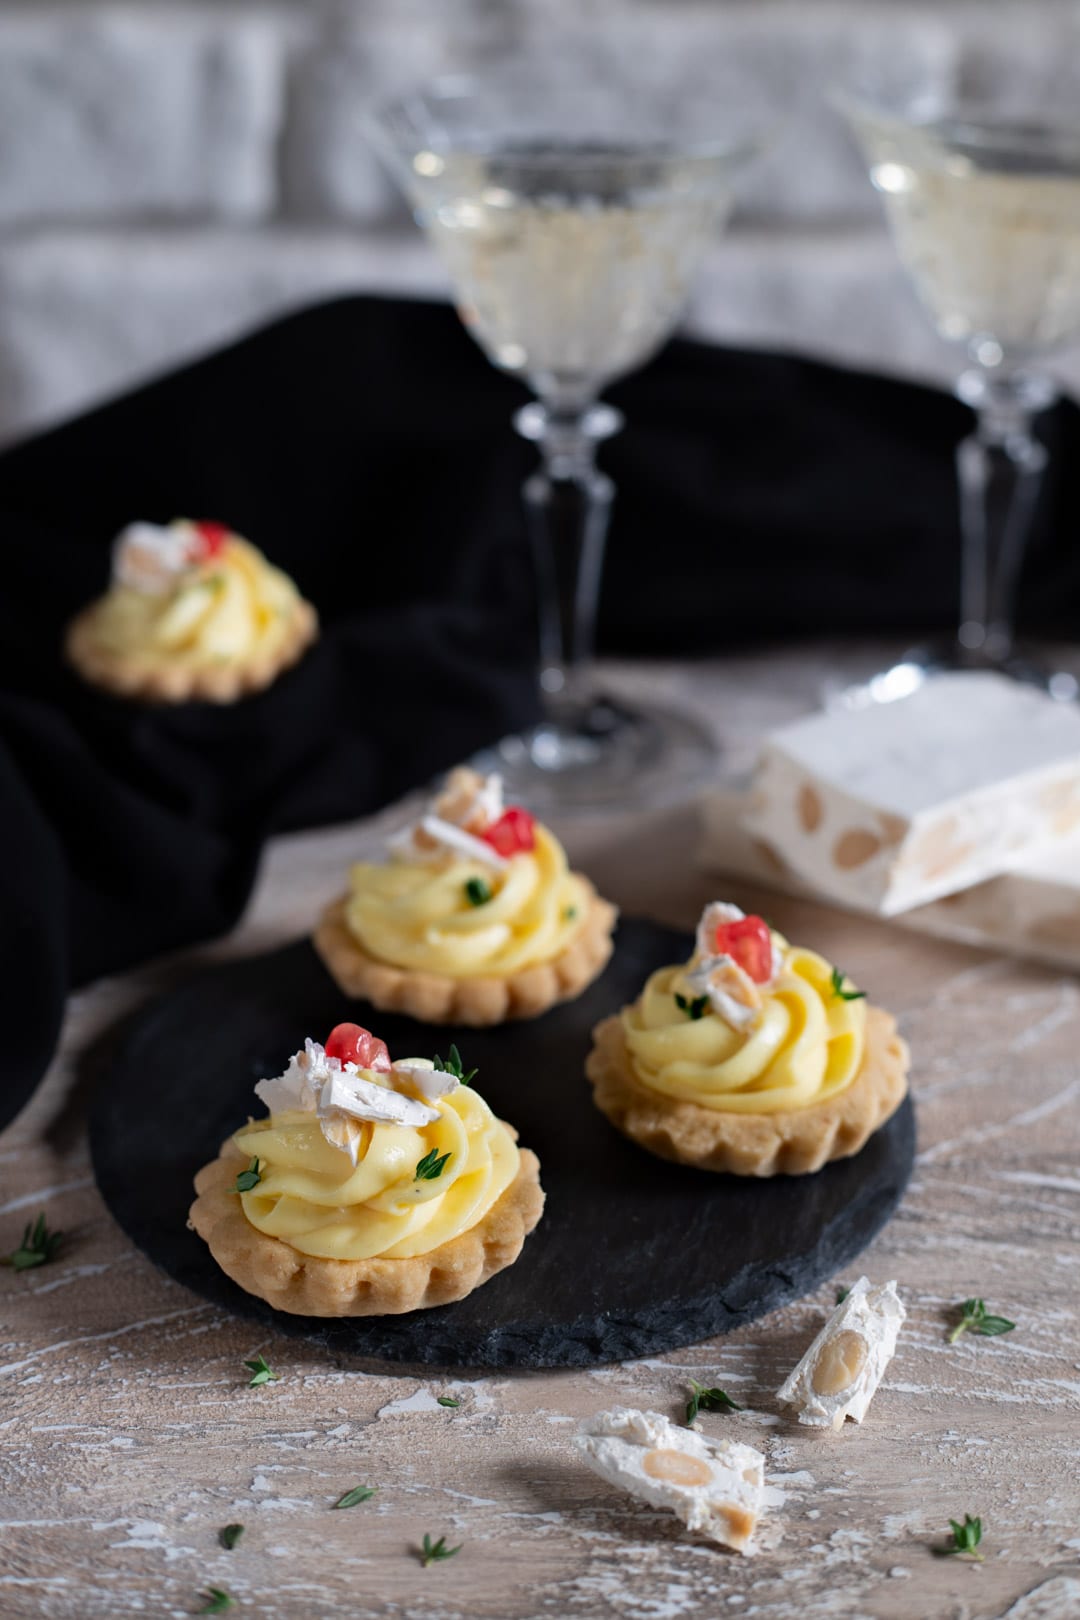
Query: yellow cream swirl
(421, 916)
(806, 1046)
(218, 611)
(312, 1198)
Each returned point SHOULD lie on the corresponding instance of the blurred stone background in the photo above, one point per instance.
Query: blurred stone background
(173, 173)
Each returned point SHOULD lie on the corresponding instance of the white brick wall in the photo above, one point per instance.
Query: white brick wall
(172, 172)
(115, 112)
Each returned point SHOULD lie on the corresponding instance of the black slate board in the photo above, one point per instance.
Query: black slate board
(632, 1257)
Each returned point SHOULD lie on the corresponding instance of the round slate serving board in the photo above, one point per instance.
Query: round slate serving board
(633, 1256)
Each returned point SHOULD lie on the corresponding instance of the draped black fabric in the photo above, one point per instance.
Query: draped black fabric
(366, 446)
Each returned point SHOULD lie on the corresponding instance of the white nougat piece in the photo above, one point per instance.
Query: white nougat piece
(424, 1077)
(838, 1375)
(1032, 909)
(893, 805)
(714, 1486)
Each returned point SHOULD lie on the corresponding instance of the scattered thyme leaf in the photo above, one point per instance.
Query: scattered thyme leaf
(477, 891)
(431, 1166)
(248, 1178)
(842, 1294)
(260, 1372)
(217, 1601)
(453, 1066)
(358, 1494)
(570, 913)
(434, 1552)
(37, 1248)
(974, 1318)
(965, 1539)
(708, 1400)
(693, 1006)
(838, 981)
(229, 1535)
(447, 1400)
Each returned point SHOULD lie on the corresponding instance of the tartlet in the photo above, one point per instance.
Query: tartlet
(475, 918)
(372, 1187)
(755, 1057)
(193, 613)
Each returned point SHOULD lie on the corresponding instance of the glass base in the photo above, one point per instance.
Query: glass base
(608, 756)
(950, 656)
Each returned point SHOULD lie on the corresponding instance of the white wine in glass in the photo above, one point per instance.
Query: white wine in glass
(572, 219)
(984, 207)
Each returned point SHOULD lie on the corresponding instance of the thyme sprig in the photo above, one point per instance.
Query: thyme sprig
(693, 1006)
(37, 1248)
(838, 982)
(246, 1179)
(217, 1601)
(975, 1318)
(434, 1552)
(965, 1539)
(432, 1165)
(260, 1372)
(358, 1494)
(453, 1065)
(708, 1400)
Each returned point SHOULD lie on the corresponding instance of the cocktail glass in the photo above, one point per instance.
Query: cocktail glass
(984, 206)
(572, 218)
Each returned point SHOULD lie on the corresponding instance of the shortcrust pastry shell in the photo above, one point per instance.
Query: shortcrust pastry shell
(438, 998)
(793, 1143)
(306, 1285)
(157, 680)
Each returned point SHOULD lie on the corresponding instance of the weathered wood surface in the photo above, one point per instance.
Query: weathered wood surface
(128, 1436)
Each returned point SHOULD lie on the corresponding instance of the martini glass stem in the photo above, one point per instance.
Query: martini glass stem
(1000, 468)
(568, 507)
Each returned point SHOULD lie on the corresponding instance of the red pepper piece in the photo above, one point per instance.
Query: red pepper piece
(351, 1043)
(514, 833)
(749, 943)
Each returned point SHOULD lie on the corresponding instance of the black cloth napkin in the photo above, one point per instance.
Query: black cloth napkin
(366, 446)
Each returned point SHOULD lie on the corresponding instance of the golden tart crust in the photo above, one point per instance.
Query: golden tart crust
(155, 680)
(306, 1285)
(439, 998)
(793, 1143)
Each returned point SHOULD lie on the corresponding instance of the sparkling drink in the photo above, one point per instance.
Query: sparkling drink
(987, 220)
(573, 268)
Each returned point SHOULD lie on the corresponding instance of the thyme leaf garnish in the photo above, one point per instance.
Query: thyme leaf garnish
(358, 1494)
(974, 1318)
(708, 1400)
(37, 1248)
(838, 981)
(260, 1372)
(453, 1066)
(433, 1552)
(248, 1178)
(431, 1166)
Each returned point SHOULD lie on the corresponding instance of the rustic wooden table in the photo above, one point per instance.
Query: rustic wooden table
(128, 1435)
